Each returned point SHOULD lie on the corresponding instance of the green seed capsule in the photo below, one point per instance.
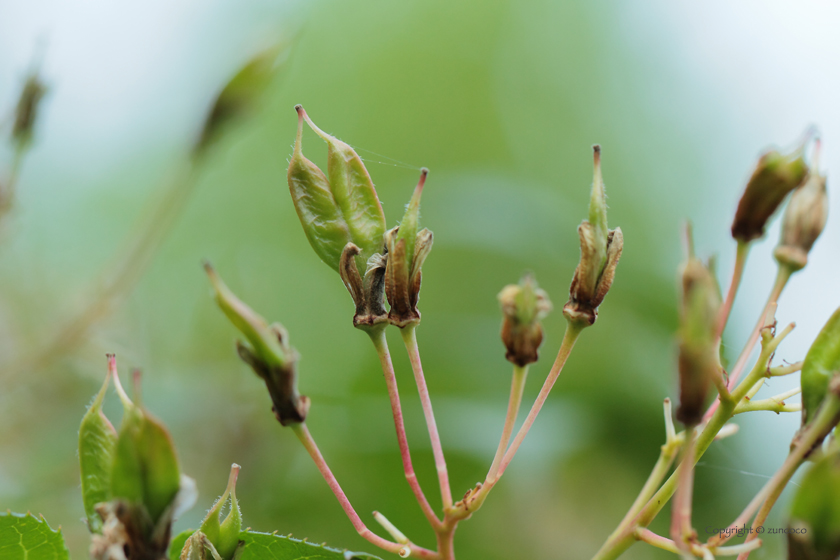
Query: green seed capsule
(242, 94)
(815, 513)
(774, 177)
(822, 362)
(340, 210)
(145, 469)
(97, 438)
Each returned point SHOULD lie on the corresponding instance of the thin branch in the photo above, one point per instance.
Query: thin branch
(520, 373)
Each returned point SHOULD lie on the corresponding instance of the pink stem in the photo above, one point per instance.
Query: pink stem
(572, 333)
(681, 509)
(305, 437)
(781, 280)
(410, 338)
(740, 260)
(381, 345)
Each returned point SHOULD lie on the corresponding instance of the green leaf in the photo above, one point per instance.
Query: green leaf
(145, 469)
(97, 438)
(23, 537)
(265, 546)
(816, 508)
(177, 544)
(821, 363)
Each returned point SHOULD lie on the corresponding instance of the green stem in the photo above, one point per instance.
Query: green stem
(520, 374)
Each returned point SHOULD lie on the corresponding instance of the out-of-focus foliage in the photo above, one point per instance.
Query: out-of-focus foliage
(502, 101)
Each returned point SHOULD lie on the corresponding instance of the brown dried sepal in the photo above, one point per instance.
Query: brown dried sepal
(128, 533)
(403, 278)
(583, 302)
(367, 293)
(288, 405)
(522, 341)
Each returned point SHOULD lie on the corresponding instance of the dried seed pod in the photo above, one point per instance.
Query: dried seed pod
(775, 175)
(803, 222)
(698, 359)
(524, 305)
(407, 251)
(269, 354)
(600, 250)
(26, 112)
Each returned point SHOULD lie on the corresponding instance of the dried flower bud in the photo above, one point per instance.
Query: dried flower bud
(269, 354)
(524, 306)
(821, 365)
(698, 359)
(775, 175)
(221, 536)
(407, 250)
(26, 112)
(600, 249)
(242, 94)
(803, 222)
(815, 512)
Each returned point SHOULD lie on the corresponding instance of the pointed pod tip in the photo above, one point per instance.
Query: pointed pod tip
(596, 153)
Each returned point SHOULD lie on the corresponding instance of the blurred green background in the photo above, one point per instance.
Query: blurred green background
(502, 101)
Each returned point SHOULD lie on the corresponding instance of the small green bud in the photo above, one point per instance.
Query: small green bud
(600, 249)
(407, 251)
(815, 512)
(524, 305)
(803, 221)
(26, 112)
(775, 175)
(224, 535)
(242, 94)
(97, 439)
(698, 359)
(821, 365)
(269, 354)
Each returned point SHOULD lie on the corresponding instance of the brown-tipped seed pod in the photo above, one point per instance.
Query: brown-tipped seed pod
(775, 175)
(269, 354)
(803, 222)
(407, 250)
(524, 305)
(698, 360)
(600, 249)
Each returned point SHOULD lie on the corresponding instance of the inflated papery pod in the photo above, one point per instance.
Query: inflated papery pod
(342, 219)
(407, 251)
(698, 357)
(600, 249)
(217, 539)
(775, 175)
(524, 306)
(822, 363)
(267, 351)
(814, 527)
